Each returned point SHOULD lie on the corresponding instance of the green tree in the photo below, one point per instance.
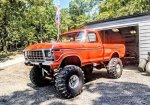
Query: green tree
(10, 11)
(40, 19)
(66, 22)
(118, 8)
(26, 21)
(82, 11)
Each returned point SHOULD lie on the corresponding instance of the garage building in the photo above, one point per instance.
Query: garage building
(135, 29)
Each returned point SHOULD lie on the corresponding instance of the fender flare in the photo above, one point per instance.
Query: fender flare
(115, 53)
(66, 55)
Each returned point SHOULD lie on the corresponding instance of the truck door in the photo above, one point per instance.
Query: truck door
(94, 46)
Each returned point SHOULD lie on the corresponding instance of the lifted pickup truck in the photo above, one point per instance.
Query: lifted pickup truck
(70, 61)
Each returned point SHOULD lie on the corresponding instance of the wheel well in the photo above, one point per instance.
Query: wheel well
(71, 60)
(115, 55)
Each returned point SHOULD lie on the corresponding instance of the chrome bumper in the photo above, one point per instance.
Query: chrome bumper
(45, 63)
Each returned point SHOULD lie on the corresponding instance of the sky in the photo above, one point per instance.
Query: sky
(63, 3)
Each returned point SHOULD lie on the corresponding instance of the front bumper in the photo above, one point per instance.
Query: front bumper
(45, 63)
(53, 65)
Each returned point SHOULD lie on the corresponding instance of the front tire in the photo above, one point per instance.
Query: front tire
(115, 68)
(36, 77)
(148, 68)
(69, 81)
(142, 65)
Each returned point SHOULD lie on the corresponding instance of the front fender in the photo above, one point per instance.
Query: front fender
(58, 61)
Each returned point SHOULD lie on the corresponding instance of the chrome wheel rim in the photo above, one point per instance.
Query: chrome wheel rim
(74, 81)
(118, 68)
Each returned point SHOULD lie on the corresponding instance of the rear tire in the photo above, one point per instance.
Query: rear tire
(142, 65)
(115, 68)
(36, 77)
(149, 58)
(148, 68)
(69, 81)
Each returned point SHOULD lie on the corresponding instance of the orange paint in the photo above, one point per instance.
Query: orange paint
(87, 52)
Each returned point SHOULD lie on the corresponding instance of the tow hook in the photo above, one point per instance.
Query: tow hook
(46, 76)
(45, 71)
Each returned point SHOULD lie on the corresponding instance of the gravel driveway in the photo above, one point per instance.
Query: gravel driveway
(133, 88)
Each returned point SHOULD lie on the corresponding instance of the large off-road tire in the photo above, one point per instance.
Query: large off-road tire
(148, 68)
(88, 69)
(69, 81)
(142, 65)
(37, 78)
(115, 68)
(148, 58)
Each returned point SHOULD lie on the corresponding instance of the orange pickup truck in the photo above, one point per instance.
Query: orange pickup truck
(71, 61)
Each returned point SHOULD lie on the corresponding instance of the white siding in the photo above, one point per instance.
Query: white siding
(119, 23)
(144, 39)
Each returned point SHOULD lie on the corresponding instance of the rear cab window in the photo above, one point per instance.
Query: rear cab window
(91, 37)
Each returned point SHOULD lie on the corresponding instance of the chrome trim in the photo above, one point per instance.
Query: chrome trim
(44, 57)
(36, 56)
(82, 48)
(37, 49)
(96, 48)
(46, 63)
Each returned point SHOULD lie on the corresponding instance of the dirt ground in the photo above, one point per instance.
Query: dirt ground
(133, 88)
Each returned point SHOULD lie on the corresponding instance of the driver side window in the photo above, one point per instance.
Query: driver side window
(91, 37)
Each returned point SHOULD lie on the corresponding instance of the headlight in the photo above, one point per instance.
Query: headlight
(49, 54)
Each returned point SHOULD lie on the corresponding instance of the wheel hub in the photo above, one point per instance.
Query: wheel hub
(74, 81)
(118, 68)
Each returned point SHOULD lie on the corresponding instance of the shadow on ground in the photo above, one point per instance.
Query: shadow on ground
(114, 93)
(130, 68)
(35, 96)
(146, 74)
(1, 69)
(111, 93)
(121, 93)
(97, 74)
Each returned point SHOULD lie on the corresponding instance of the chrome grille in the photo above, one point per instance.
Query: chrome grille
(35, 56)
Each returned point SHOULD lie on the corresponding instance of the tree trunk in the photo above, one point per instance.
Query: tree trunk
(4, 46)
(16, 46)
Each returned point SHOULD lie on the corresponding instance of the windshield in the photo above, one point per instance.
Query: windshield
(73, 37)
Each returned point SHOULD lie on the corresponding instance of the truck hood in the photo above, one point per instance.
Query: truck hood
(54, 46)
